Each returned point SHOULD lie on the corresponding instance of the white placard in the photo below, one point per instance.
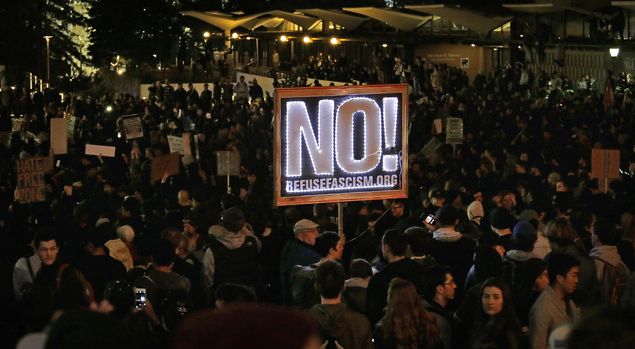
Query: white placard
(103, 150)
(176, 144)
(133, 127)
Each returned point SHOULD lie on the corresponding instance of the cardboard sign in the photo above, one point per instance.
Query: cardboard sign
(187, 148)
(227, 163)
(103, 150)
(164, 164)
(30, 179)
(343, 143)
(438, 126)
(70, 126)
(433, 145)
(5, 138)
(605, 163)
(17, 124)
(133, 128)
(59, 143)
(454, 131)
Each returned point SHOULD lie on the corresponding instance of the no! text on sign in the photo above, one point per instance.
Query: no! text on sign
(336, 144)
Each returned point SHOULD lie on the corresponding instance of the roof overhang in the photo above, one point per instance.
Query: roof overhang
(396, 19)
(338, 17)
(480, 23)
(226, 21)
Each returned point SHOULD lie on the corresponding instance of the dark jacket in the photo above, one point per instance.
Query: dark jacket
(302, 280)
(295, 252)
(453, 250)
(350, 329)
(495, 334)
(378, 286)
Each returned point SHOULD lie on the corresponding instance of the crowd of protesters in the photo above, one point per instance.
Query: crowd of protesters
(504, 242)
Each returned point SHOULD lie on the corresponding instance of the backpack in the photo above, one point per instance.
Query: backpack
(613, 283)
(173, 306)
(240, 265)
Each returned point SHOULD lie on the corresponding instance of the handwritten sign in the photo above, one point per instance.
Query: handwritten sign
(454, 131)
(30, 179)
(103, 150)
(430, 147)
(180, 145)
(164, 164)
(59, 143)
(227, 163)
(133, 128)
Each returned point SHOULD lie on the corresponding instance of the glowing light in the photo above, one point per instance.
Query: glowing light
(306, 39)
(614, 51)
(391, 108)
(473, 45)
(206, 35)
(321, 154)
(334, 41)
(384, 45)
(234, 35)
(108, 108)
(344, 128)
(283, 38)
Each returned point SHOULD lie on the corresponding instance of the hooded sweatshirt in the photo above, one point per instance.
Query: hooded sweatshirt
(605, 254)
(231, 240)
(348, 328)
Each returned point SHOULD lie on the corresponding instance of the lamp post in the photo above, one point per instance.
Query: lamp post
(48, 57)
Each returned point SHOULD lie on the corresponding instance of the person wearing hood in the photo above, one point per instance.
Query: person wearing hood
(232, 254)
(612, 273)
(449, 247)
(336, 322)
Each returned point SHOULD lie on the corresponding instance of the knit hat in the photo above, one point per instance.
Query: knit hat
(524, 231)
(125, 233)
(500, 218)
(233, 219)
(475, 211)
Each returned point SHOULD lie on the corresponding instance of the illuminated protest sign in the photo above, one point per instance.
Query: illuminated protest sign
(340, 144)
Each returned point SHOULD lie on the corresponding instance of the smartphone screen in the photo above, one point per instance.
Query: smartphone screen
(140, 297)
(430, 219)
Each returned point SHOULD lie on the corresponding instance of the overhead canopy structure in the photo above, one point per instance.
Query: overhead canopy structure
(630, 5)
(550, 7)
(228, 22)
(220, 20)
(267, 22)
(480, 23)
(338, 17)
(396, 19)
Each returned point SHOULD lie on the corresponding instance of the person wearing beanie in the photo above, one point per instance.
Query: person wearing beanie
(232, 254)
(541, 246)
(502, 222)
(449, 247)
(523, 239)
(302, 278)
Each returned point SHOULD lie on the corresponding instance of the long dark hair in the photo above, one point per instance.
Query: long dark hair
(407, 324)
(507, 313)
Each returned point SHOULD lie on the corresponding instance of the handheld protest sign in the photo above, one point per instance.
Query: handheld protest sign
(132, 126)
(345, 143)
(100, 150)
(227, 163)
(59, 142)
(454, 131)
(164, 164)
(30, 179)
(605, 165)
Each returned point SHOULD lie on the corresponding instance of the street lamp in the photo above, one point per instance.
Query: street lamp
(234, 35)
(334, 41)
(206, 35)
(283, 38)
(306, 39)
(48, 57)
